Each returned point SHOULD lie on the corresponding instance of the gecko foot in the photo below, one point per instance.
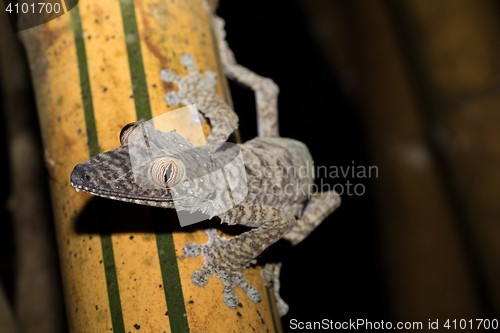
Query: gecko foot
(222, 262)
(201, 91)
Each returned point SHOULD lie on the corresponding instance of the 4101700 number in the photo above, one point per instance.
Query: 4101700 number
(463, 324)
(41, 7)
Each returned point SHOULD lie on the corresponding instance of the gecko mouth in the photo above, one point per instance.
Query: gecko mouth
(114, 195)
(80, 180)
(146, 201)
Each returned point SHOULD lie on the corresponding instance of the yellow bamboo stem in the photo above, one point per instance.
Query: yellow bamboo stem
(96, 69)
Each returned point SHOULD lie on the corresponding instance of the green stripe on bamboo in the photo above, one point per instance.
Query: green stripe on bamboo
(166, 250)
(106, 242)
(112, 283)
(171, 279)
(88, 106)
(137, 74)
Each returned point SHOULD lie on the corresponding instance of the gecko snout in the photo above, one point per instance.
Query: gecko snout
(79, 176)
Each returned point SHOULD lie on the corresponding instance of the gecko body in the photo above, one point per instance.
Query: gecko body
(268, 207)
(167, 171)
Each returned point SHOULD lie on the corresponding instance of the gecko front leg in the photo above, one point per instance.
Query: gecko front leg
(216, 253)
(227, 258)
(199, 90)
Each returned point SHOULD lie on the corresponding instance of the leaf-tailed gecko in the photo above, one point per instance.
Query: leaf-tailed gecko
(277, 205)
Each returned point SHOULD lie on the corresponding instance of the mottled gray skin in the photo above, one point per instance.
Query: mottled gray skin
(275, 206)
(112, 176)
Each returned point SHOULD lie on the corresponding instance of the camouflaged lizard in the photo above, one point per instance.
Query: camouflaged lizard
(181, 170)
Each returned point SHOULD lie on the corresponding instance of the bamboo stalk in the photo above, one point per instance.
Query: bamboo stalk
(429, 275)
(457, 56)
(95, 70)
(8, 321)
(37, 295)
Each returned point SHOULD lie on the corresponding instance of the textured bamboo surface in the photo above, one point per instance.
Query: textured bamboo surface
(425, 77)
(456, 48)
(96, 69)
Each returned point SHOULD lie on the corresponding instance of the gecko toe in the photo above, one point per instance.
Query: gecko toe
(282, 307)
(253, 294)
(200, 277)
(171, 98)
(231, 300)
(187, 59)
(210, 78)
(168, 75)
(191, 250)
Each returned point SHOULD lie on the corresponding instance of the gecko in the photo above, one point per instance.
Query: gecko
(277, 205)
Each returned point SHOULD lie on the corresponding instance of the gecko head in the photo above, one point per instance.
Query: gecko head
(111, 175)
(153, 168)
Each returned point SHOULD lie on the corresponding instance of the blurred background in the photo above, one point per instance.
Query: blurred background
(411, 87)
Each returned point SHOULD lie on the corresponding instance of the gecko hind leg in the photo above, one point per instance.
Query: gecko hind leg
(319, 207)
(266, 91)
(227, 258)
(271, 277)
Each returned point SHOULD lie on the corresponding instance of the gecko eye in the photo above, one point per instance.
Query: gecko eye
(167, 171)
(125, 132)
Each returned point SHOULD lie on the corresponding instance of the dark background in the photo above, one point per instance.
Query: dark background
(335, 273)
